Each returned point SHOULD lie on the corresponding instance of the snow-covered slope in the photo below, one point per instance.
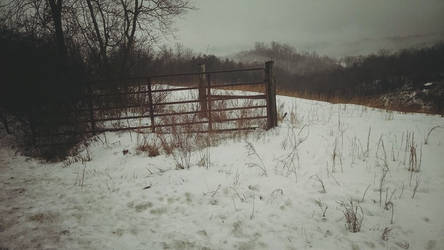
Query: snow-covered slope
(274, 199)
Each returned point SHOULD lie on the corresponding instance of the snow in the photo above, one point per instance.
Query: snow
(428, 84)
(133, 201)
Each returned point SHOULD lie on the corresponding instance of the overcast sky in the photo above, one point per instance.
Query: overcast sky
(332, 27)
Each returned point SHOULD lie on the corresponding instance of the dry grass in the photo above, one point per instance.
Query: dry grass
(354, 216)
(386, 234)
(426, 139)
(321, 182)
(257, 162)
(47, 217)
(149, 148)
(369, 101)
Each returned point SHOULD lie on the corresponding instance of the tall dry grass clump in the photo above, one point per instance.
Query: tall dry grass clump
(354, 216)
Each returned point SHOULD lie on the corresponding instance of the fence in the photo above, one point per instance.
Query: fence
(143, 100)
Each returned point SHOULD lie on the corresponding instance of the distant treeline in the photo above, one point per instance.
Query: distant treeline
(373, 74)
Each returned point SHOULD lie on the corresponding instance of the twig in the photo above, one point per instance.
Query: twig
(252, 212)
(365, 192)
(426, 140)
(321, 182)
(416, 187)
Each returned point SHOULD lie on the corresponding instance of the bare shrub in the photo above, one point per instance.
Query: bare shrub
(290, 160)
(183, 135)
(354, 216)
(179, 146)
(181, 141)
(167, 147)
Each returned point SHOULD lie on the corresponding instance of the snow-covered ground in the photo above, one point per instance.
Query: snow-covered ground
(260, 191)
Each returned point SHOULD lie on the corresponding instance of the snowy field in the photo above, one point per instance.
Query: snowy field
(287, 188)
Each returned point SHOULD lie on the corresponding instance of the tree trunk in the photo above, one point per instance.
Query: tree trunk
(56, 12)
(98, 35)
(129, 31)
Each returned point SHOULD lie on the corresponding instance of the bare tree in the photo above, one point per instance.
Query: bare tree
(100, 26)
(39, 17)
(150, 17)
(102, 41)
(120, 24)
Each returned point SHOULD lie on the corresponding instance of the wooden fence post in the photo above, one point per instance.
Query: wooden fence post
(210, 121)
(150, 99)
(270, 93)
(202, 91)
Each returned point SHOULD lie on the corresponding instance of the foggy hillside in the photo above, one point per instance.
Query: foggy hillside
(287, 58)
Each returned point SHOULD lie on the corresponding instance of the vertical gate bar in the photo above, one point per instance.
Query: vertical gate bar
(210, 122)
(91, 111)
(202, 91)
(142, 98)
(150, 99)
(270, 92)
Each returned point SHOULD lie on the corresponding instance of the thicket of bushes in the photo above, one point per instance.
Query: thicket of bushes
(42, 91)
(39, 91)
(379, 73)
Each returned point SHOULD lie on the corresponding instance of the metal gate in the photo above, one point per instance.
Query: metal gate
(146, 105)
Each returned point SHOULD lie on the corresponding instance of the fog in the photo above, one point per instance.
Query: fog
(331, 27)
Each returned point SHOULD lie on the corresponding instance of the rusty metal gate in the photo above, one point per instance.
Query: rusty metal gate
(146, 106)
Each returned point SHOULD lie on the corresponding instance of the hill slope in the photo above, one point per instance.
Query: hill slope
(286, 188)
